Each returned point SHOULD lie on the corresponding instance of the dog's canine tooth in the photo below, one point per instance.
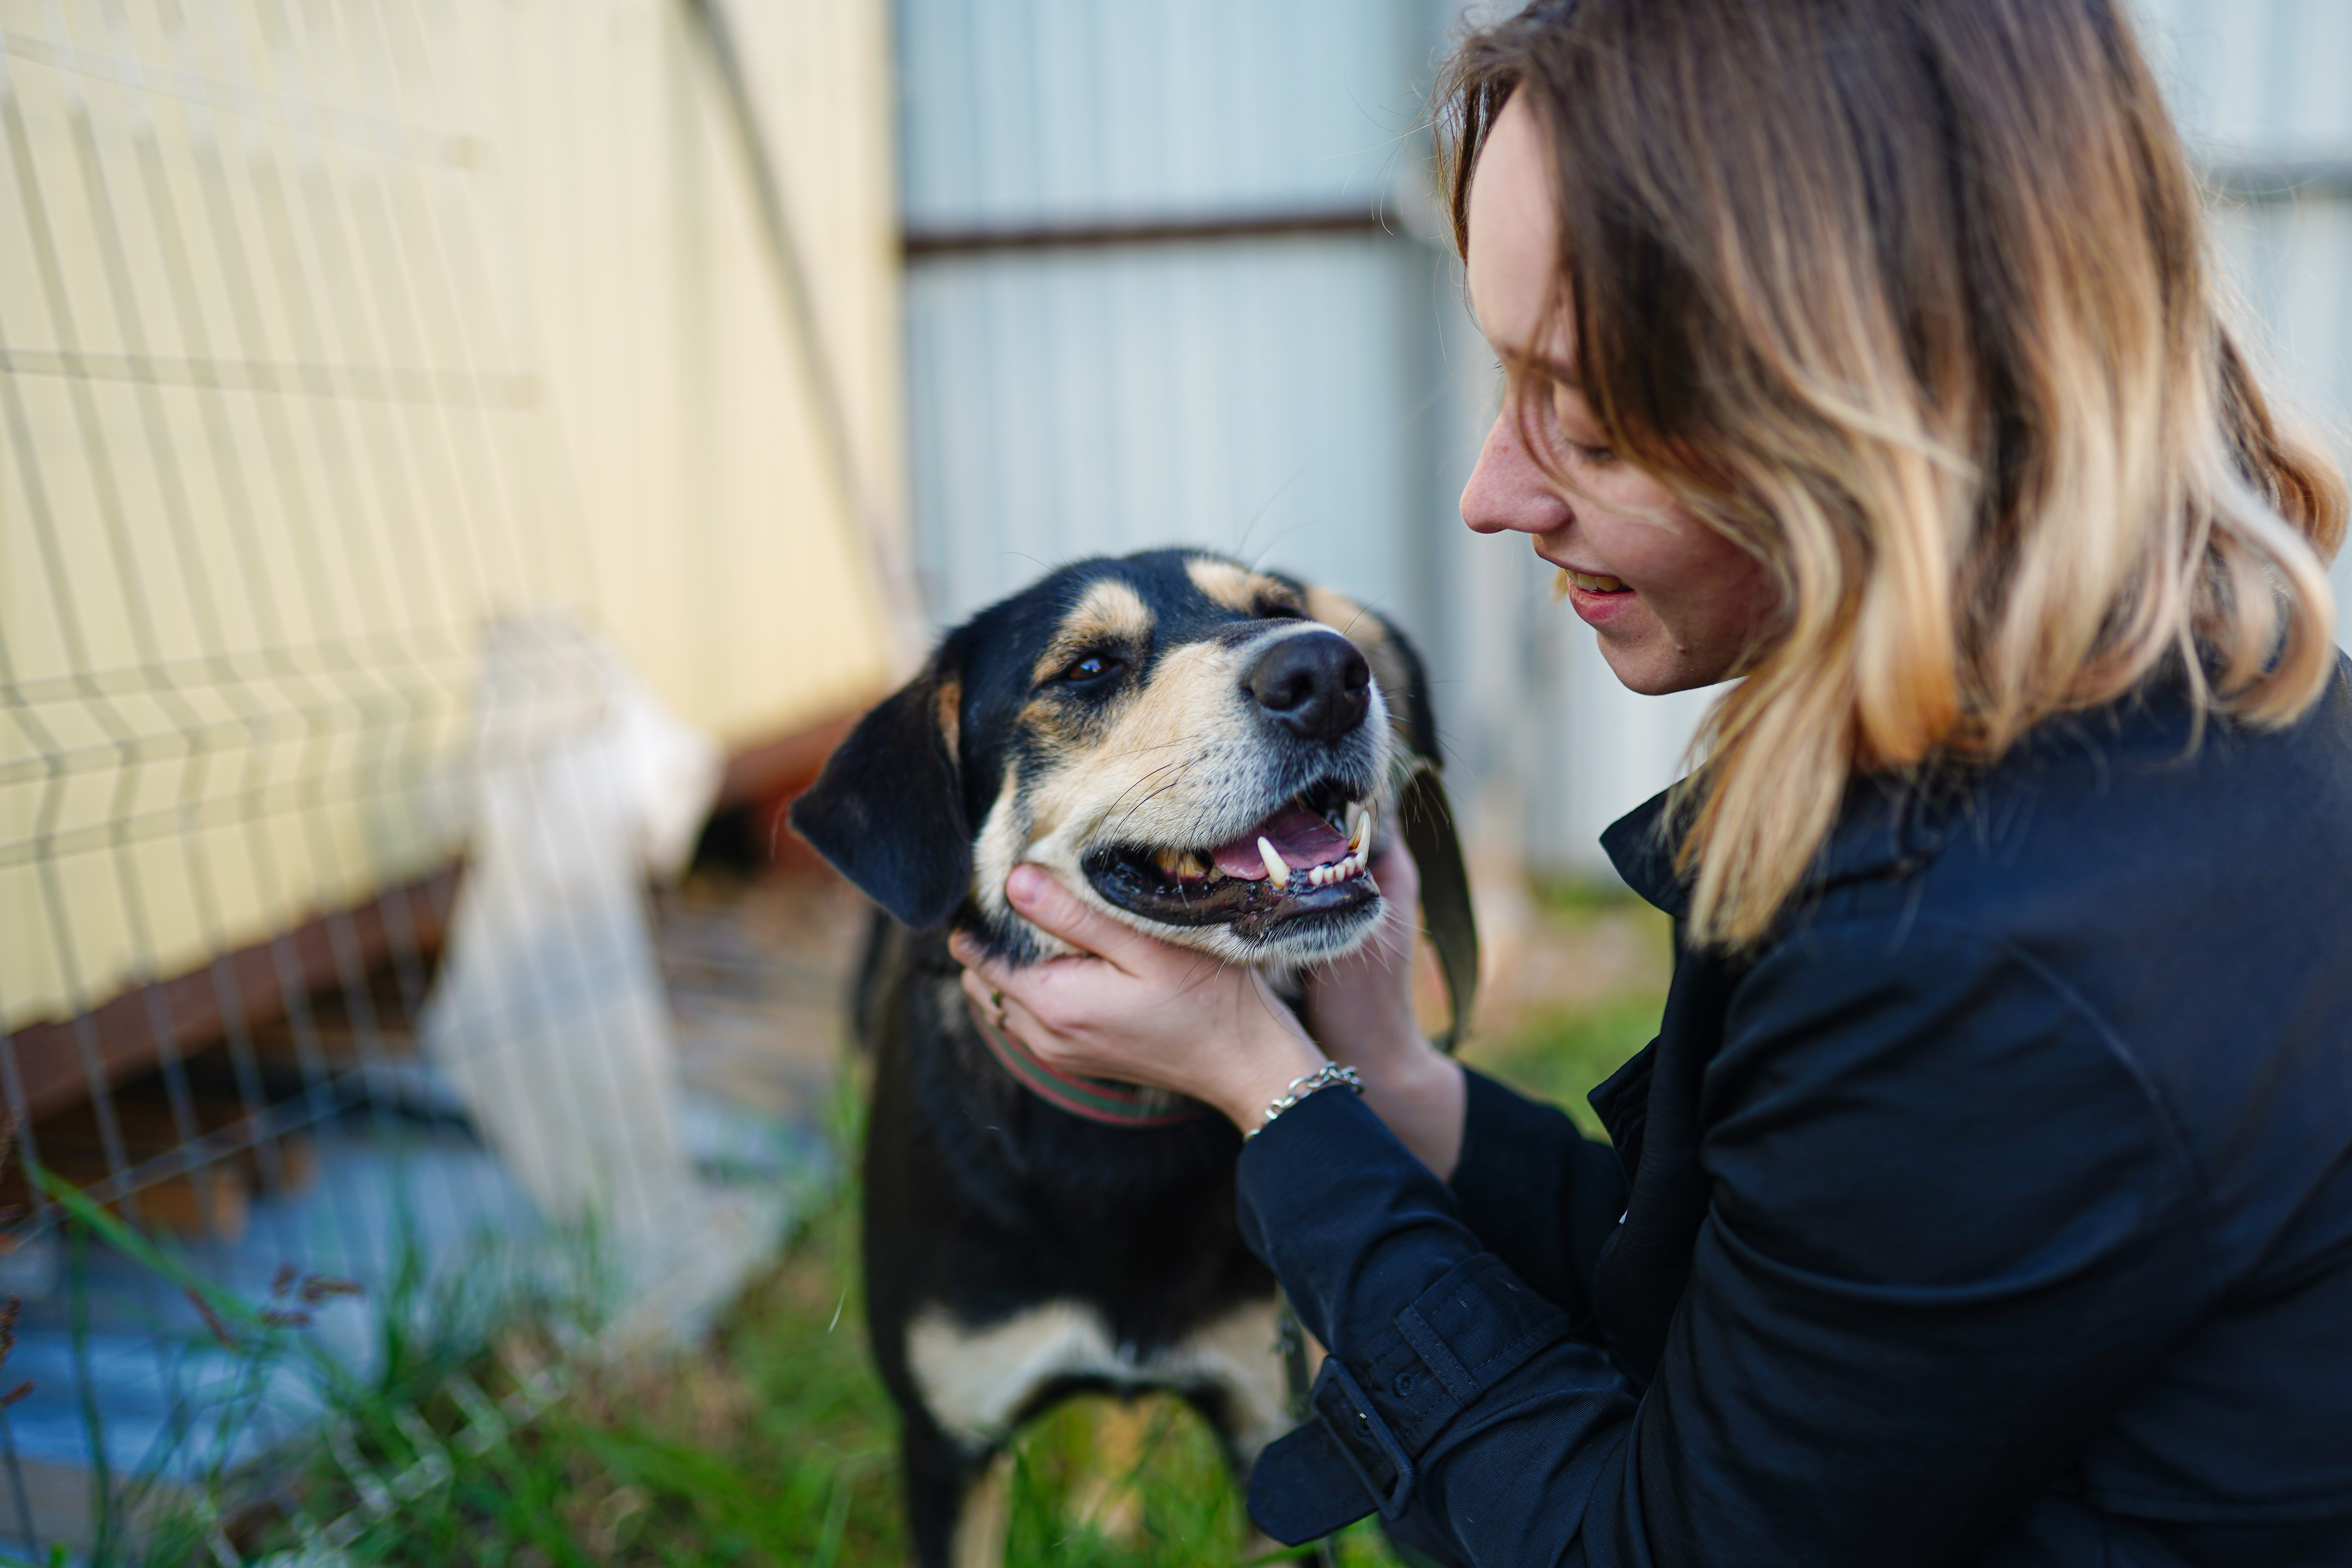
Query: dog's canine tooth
(1360, 830)
(1276, 872)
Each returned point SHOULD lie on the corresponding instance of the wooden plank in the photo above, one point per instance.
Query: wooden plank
(53, 1063)
(783, 767)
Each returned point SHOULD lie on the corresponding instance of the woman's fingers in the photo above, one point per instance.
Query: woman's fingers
(992, 971)
(1055, 910)
(987, 1001)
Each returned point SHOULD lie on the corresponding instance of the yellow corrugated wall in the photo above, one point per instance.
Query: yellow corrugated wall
(327, 332)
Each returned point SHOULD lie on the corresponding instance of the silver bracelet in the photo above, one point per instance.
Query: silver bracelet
(1323, 1077)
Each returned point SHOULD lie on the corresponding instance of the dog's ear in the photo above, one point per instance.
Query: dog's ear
(888, 810)
(1425, 816)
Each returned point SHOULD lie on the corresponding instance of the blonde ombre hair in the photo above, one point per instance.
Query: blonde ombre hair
(1910, 299)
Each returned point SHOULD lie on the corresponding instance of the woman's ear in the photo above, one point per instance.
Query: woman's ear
(888, 810)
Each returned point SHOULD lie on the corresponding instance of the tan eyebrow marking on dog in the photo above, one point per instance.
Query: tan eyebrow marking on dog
(1370, 635)
(1347, 617)
(1109, 612)
(1237, 587)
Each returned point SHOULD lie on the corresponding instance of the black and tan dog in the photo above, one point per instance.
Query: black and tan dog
(1205, 753)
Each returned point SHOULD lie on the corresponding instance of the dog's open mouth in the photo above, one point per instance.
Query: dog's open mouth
(1307, 858)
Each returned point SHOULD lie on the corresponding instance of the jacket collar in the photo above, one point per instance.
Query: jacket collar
(1883, 830)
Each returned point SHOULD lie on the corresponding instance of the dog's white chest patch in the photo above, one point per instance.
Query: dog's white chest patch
(975, 1380)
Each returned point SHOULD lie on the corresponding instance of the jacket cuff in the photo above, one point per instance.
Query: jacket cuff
(1421, 1320)
(1373, 1419)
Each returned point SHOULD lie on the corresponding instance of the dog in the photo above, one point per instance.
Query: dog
(1205, 752)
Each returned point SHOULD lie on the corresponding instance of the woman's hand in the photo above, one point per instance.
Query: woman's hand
(1138, 1010)
(1141, 1011)
(1360, 1008)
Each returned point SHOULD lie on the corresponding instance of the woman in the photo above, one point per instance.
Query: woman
(1987, 1195)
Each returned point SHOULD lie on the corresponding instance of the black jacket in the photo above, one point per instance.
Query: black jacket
(1998, 1211)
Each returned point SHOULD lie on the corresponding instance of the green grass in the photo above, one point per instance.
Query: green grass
(773, 1445)
(768, 1446)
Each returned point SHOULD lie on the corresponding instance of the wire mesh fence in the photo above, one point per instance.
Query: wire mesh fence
(334, 1021)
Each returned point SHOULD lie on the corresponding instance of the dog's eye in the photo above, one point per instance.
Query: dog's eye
(1090, 667)
(1278, 611)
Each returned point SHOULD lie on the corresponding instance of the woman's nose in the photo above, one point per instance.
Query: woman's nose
(1507, 492)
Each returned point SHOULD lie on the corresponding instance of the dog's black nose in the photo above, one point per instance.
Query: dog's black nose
(1316, 686)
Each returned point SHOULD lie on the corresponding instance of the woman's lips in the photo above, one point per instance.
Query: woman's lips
(1596, 597)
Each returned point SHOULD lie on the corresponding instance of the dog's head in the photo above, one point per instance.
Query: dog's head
(1199, 750)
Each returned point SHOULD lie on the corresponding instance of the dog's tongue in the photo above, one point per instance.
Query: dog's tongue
(1297, 834)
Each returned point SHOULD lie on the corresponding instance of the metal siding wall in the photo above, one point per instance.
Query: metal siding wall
(1247, 396)
(1029, 110)
(2259, 82)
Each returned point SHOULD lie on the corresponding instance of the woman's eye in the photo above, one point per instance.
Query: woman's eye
(1568, 413)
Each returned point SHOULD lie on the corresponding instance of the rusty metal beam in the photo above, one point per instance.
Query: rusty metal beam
(2265, 182)
(920, 244)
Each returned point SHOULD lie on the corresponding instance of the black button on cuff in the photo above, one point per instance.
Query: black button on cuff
(1371, 1450)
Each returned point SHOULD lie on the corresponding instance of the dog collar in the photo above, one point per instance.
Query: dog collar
(1097, 1100)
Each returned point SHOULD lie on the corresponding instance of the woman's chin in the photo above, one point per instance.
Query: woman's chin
(1651, 665)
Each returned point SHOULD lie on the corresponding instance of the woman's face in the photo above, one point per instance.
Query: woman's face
(1676, 605)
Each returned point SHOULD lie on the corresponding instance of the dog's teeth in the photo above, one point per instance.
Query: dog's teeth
(1361, 831)
(1170, 861)
(1276, 872)
(1189, 865)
